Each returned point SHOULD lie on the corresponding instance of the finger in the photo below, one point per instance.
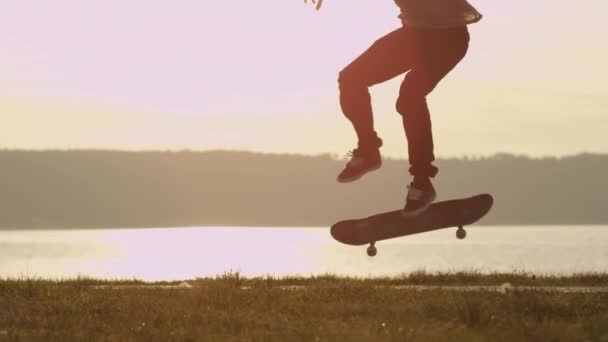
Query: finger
(319, 4)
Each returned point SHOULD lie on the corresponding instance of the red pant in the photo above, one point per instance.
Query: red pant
(428, 55)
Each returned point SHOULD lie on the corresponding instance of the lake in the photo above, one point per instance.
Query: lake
(187, 253)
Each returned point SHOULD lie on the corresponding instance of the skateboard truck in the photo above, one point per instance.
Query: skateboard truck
(372, 250)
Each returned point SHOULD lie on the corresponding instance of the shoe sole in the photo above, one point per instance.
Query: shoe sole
(352, 179)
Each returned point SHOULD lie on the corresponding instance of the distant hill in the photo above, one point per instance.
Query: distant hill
(82, 189)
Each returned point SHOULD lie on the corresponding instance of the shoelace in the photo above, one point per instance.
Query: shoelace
(355, 159)
(351, 153)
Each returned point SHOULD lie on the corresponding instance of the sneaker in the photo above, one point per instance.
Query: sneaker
(361, 162)
(418, 200)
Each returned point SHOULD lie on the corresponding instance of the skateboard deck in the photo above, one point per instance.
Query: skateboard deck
(389, 225)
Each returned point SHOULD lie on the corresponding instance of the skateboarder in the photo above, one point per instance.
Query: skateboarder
(433, 39)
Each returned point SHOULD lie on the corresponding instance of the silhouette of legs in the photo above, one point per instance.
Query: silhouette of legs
(429, 55)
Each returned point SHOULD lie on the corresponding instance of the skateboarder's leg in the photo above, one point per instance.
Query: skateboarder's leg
(438, 52)
(387, 58)
(384, 60)
(416, 118)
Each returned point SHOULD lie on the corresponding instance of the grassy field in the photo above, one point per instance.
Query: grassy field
(232, 308)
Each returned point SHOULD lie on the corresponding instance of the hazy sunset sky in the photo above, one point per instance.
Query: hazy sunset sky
(261, 75)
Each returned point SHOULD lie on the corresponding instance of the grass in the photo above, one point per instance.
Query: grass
(233, 308)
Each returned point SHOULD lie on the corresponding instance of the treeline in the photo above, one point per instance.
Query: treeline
(82, 189)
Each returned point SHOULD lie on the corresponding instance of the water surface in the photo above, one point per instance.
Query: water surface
(187, 253)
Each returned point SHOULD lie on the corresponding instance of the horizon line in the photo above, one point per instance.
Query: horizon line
(318, 154)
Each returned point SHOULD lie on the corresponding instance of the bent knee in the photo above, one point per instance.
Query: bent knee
(350, 79)
(411, 102)
(346, 79)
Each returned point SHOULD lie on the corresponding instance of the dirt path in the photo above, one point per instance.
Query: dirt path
(504, 288)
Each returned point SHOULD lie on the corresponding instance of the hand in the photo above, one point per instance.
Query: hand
(317, 2)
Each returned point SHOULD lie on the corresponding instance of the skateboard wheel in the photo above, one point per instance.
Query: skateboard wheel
(461, 233)
(372, 250)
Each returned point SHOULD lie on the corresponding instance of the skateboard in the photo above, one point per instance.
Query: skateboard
(453, 213)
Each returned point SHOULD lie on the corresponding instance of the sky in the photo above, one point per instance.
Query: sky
(261, 76)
